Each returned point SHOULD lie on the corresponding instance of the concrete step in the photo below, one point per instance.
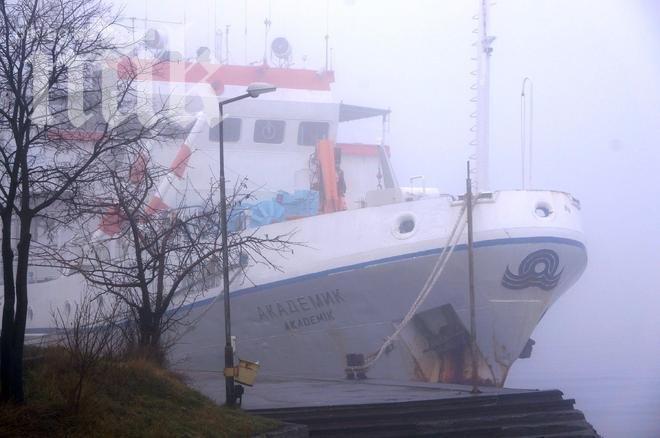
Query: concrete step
(525, 414)
(505, 425)
(421, 413)
(443, 404)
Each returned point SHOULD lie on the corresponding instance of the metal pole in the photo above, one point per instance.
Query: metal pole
(327, 32)
(229, 351)
(473, 329)
(483, 98)
(526, 134)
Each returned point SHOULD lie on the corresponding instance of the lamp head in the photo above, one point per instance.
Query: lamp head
(257, 88)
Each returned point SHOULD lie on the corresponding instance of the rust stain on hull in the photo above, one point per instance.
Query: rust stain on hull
(439, 346)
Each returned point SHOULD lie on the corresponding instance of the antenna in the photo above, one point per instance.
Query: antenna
(217, 39)
(267, 24)
(153, 42)
(245, 35)
(217, 45)
(281, 50)
(227, 44)
(526, 131)
(484, 51)
(327, 32)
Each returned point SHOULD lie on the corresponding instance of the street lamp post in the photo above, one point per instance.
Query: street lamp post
(253, 90)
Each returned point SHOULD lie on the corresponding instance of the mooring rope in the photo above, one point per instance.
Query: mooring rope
(431, 280)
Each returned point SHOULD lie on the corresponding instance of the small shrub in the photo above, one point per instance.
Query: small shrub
(90, 339)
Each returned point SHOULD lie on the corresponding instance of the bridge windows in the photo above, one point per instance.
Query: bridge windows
(269, 131)
(232, 130)
(309, 133)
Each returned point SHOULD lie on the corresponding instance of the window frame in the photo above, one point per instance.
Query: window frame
(276, 122)
(215, 136)
(315, 122)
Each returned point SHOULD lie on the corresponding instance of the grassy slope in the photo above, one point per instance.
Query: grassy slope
(127, 399)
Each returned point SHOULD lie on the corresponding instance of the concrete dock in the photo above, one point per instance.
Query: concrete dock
(377, 408)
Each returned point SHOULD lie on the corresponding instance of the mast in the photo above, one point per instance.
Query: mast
(484, 50)
(471, 300)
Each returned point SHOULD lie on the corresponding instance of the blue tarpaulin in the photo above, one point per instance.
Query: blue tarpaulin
(284, 206)
(266, 212)
(301, 203)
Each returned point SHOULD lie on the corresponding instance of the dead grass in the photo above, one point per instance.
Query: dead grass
(132, 398)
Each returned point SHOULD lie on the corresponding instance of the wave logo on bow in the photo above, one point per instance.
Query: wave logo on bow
(537, 269)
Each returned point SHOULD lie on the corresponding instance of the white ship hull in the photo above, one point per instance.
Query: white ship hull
(346, 292)
(358, 276)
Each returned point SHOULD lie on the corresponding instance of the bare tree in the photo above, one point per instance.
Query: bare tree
(53, 134)
(90, 336)
(157, 259)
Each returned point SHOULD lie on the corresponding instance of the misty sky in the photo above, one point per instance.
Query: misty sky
(595, 67)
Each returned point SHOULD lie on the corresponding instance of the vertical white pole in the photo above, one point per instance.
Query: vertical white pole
(483, 99)
(531, 134)
(526, 130)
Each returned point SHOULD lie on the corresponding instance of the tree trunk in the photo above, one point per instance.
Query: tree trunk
(20, 318)
(14, 312)
(7, 334)
(144, 337)
(156, 351)
(149, 336)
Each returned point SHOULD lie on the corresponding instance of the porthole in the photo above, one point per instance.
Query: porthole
(405, 226)
(543, 210)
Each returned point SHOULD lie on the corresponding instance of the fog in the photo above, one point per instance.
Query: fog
(595, 67)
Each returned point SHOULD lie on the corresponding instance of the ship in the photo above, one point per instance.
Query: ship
(379, 288)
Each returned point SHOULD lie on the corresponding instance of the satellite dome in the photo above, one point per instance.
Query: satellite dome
(281, 48)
